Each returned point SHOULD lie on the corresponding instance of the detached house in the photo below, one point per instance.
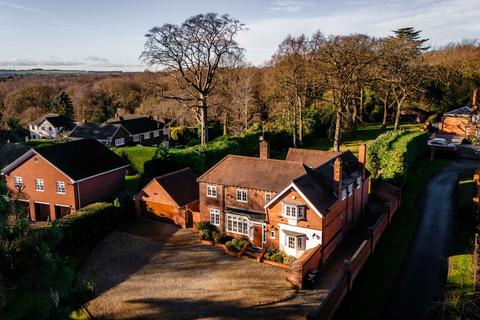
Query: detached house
(462, 121)
(144, 130)
(51, 126)
(108, 134)
(57, 180)
(303, 202)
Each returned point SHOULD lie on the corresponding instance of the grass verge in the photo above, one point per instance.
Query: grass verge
(371, 290)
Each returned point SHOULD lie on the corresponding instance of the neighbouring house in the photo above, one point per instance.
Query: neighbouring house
(56, 180)
(109, 134)
(173, 196)
(414, 115)
(462, 121)
(51, 126)
(303, 202)
(144, 130)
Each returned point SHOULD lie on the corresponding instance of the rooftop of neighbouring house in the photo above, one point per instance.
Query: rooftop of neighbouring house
(460, 111)
(100, 131)
(55, 119)
(78, 159)
(137, 124)
(180, 185)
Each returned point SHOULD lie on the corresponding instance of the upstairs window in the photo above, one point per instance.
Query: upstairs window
(146, 135)
(18, 182)
(60, 185)
(242, 195)
(156, 133)
(136, 138)
(268, 197)
(212, 191)
(39, 185)
(293, 212)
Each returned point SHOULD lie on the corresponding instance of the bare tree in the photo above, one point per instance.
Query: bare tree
(192, 54)
(342, 63)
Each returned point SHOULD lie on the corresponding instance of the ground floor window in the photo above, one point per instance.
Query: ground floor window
(120, 141)
(297, 243)
(237, 224)
(215, 216)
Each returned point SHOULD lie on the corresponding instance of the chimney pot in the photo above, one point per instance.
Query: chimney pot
(264, 150)
(337, 174)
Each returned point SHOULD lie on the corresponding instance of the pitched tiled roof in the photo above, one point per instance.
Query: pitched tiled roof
(254, 173)
(56, 119)
(137, 125)
(181, 185)
(100, 131)
(82, 158)
(312, 158)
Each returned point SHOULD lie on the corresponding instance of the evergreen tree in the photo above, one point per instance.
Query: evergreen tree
(410, 34)
(63, 105)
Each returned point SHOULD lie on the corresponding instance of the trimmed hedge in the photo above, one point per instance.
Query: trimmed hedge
(392, 153)
(89, 224)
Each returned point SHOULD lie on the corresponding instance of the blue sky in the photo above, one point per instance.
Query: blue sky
(108, 35)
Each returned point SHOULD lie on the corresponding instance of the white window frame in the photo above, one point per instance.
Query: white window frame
(136, 138)
(240, 193)
(60, 187)
(38, 183)
(344, 194)
(211, 191)
(215, 216)
(146, 136)
(156, 133)
(292, 211)
(18, 182)
(238, 225)
(350, 189)
(268, 197)
(119, 142)
(295, 243)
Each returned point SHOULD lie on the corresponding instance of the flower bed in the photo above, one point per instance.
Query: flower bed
(277, 257)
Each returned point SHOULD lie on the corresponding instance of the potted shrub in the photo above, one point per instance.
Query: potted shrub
(206, 230)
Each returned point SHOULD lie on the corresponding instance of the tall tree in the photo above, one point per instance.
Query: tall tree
(63, 105)
(192, 54)
(341, 63)
(411, 35)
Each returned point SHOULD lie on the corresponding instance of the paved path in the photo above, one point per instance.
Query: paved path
(418, 291)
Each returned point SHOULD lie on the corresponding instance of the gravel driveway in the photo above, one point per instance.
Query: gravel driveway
(152, 270)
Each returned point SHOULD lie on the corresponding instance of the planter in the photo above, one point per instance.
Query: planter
(231, 252)
(276, 264)
(245, 248)
(220, 245)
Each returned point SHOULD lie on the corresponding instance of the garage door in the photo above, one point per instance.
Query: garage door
(150, 209)
(61, 211)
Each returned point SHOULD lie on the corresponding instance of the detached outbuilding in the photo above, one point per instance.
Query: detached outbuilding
(173, 197)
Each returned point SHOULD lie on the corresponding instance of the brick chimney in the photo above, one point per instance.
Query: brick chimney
(337, 174)
(264, 150)
(362, 157)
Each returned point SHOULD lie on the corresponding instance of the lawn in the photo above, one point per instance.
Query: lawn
(460, 272)
(371, 291)
(137, 155)
(365, 133)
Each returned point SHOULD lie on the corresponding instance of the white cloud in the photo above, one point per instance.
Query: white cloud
(88, 63)
(441, 21)
(27, 9)
(288, 6)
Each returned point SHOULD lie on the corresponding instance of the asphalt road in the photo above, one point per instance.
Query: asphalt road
(418, 291)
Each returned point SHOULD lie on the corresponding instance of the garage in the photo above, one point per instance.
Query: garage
(62, 211)
(42, 211)
(172, 197)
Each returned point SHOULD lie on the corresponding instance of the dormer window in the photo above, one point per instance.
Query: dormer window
(350, 189)
(292, 211)
(242, 195)
(212, 191)
(359, 182)
(344, 194)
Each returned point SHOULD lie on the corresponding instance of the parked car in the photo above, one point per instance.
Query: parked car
(441, 143)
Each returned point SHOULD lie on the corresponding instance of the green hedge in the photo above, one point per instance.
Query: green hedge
(392, 153)
(90, 223)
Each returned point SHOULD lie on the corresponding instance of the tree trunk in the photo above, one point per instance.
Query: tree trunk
(204, 120)
(294, 125)
(360, 111)
(385, 114)
(225, 124)
(474, 97)
(336, 137)
(397, 117)
(300, 121)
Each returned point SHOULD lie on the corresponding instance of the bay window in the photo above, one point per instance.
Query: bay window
(237, 224)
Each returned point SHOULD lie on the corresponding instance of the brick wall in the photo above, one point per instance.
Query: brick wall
(101, 187)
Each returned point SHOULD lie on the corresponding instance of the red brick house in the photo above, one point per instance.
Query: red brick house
(462, 121)
(303, 202)
(56, 180)
(173, 196)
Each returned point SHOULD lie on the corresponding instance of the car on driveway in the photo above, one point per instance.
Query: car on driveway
(441, 143)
